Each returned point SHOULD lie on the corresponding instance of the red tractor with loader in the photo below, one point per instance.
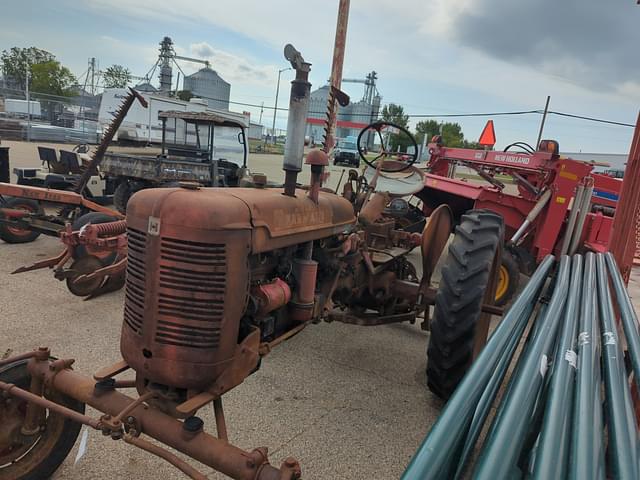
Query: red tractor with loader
(553, 204)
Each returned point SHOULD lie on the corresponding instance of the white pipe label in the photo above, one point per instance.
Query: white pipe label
(544, 364)
(82, 449)
(583, 338)
(609, 338)
(571, 357)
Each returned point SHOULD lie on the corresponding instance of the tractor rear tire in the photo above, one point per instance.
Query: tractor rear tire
(466, 275)
(20, 235)
(41, 457)
(121, 196)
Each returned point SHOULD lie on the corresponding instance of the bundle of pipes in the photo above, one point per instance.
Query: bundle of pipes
(549, 422)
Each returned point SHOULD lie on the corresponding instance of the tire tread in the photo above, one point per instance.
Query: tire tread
(457, 309)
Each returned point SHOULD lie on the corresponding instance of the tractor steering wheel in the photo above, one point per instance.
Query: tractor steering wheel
(401, 161)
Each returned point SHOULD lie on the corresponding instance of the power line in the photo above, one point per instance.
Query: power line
(592, 119)
(490, 114)
(457, 115)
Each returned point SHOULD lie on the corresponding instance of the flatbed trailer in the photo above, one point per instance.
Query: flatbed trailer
(23, 217)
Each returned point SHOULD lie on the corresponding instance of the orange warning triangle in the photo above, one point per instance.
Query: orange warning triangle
(488, 135)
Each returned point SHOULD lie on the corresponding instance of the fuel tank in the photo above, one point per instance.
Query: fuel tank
(187, 272)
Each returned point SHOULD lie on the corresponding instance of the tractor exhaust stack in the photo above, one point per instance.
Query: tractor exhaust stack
(296, 124)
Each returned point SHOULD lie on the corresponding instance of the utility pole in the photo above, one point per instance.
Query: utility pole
(28, 74)
(544, 117)
(336, 75)
(93, 75)
(261, 110)
(275, 108)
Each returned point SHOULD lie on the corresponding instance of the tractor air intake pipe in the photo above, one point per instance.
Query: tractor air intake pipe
(585, 208)
(533, 214)
(296, 124)
(571, 224)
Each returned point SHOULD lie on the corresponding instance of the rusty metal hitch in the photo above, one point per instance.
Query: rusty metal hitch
(127, 418)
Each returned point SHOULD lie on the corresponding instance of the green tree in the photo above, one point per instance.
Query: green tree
(452, 135)
(16, 61)
(52, 78)
(184, 95)
(472, 145)
(426, 129)
(116, 76)
(395, 114)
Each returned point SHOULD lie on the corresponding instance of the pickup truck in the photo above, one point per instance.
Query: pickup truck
(346, 152)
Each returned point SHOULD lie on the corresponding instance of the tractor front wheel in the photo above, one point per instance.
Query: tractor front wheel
(38, 455)
(508, 279)
(465, 285)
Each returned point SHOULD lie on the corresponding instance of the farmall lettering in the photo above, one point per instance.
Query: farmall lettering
(301, 216)
(514, 159)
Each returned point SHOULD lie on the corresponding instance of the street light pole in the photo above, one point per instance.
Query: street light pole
(28, 103)
(275, 109)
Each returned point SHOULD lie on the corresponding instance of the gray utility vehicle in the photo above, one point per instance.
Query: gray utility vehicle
(203, 147)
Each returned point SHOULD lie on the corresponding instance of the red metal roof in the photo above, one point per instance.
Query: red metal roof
(341, 123)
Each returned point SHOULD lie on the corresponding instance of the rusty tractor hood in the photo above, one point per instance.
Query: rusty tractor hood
(276, 220)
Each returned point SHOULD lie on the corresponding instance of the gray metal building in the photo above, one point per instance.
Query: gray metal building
(351, 119)
(208, 85)
(255, 131)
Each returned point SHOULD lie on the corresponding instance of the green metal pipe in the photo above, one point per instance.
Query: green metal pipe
(587, 457)
(554, 443)
(598, 422)
(622, 435)
(493, 386)
(530, 445)
(627, 314)
(437, 451)
(629, 409)
(503, 446)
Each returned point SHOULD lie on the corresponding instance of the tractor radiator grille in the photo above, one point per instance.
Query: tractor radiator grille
(191, 293)
(134, 303)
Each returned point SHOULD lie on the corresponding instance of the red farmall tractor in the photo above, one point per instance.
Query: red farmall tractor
(217, 277)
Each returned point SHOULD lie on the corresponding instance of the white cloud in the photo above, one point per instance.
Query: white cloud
(234, 68)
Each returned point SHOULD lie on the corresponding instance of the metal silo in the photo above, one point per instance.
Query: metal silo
(207, 84)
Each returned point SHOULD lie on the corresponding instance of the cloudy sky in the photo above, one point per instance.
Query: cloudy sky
(432, 56)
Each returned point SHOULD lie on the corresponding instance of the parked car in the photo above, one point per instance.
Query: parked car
(346, 153)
